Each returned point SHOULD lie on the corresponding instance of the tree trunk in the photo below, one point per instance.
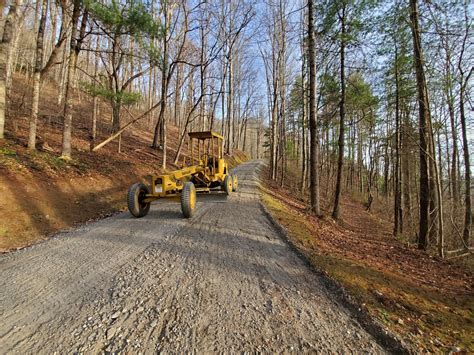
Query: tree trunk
(314, 141)
(454, 161)
(37, 76)
(467, 166)
(273, 125)
(406, 165)
(160, 128)
(342, 113)
(116, 109)
(95, 106)
(177, 97)
(398, 220)
(303, 126)
(230, 104)
(70, 83)
(6, 58)
(424, 117)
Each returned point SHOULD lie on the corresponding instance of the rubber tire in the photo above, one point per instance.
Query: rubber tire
(135, 193)
(235, 183)
(188, 195)
(227, 185)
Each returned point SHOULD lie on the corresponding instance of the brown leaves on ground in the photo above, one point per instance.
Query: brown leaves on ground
(430, 301)
(368, 239)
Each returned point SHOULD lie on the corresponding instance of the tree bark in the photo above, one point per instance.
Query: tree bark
(424, 117)
(230, 103)
(5, 60)
(398, 220)
(70, 82)
(304, 166)
(313, 132)
(95, 106)
(37, 76)
(342, 114)
(160, 129)
(467, 166)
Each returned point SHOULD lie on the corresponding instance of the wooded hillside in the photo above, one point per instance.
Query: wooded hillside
(374, 99)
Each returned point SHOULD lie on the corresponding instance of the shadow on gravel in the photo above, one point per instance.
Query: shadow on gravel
(251, 249)
(170, 209)
(161, 213)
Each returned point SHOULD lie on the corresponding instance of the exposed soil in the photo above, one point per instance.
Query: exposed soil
(427, 300)
(222, 281)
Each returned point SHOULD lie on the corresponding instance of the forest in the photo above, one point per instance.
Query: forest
(361, 112)
(360, 97)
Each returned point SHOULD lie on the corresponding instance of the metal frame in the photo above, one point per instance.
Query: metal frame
(203, 172)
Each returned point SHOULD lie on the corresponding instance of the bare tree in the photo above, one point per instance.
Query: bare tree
(6, 54)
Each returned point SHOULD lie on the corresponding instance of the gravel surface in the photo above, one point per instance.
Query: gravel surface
(221, 281)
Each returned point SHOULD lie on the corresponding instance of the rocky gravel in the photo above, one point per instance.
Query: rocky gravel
(223, 281)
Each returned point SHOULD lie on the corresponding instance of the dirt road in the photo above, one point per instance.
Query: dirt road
(222, 281)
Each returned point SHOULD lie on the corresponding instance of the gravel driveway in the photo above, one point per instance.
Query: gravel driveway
(222, 281)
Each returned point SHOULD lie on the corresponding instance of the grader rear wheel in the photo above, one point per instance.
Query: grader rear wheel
(136, 194)
(227, 185)
(235, 183)
(188, 199)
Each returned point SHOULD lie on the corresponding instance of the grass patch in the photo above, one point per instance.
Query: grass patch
(430, 319)
(7, 152)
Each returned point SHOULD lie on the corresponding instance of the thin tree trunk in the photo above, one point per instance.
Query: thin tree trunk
(37, 76)
(314, 141)
(6, 55)
(95, 106)
(424, 117)
(177, 97)
(70, 83)
(342, 113)
(467, 166)
(164, 93)
(230, 104)
(398, 224)
(406, 166)
(304, 166)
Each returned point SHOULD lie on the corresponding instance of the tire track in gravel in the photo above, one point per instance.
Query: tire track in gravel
(222, 281)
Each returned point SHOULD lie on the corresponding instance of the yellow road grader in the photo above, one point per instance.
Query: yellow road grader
(208, 172)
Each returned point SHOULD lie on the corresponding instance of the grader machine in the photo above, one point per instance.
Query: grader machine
(207, 173)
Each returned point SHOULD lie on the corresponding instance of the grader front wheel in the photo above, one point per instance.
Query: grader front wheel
(235, 183)
(136, 194)
(227, 185)
(188, 199)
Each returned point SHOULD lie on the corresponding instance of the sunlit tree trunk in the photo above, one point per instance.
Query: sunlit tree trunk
(37, 76)
(70, 83)
(6, 56)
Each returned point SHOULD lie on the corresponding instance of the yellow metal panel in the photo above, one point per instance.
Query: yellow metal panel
(205, 135)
